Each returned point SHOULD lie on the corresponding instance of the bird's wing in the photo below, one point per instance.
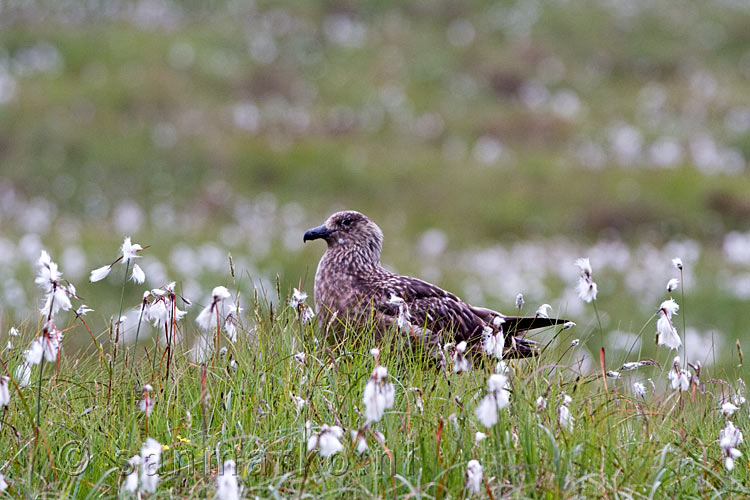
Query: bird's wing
(432, 307)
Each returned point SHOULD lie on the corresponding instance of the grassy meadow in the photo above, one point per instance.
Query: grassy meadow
(494, 142)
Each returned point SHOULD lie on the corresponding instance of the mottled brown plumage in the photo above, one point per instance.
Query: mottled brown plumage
(351, 285)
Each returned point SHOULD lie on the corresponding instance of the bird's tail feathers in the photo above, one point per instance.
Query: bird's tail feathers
(521, 324)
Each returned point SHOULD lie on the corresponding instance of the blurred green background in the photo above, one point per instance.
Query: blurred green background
(494, 143)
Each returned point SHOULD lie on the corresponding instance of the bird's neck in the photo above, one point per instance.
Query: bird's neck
(354, 260)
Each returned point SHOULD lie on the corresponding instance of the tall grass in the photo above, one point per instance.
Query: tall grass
(620, 445)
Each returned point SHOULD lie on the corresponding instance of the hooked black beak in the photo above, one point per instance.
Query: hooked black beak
(316, 232)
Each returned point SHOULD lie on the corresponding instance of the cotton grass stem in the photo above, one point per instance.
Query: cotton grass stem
(684, 321)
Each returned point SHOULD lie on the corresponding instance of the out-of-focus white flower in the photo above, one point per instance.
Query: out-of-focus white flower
(575, 342)
(677, 263)
(568, 324)
(493, 343)
(541, 403)
(327, 440)
(13, 332)
(672, 284)
(543, 311)
(479, 436)
(729, 438)
(639, 389)
(666, 331)
(300, 358)
(474, 477)
(461, 363)
(3, 483)
(613, 374)
(564, 418)
(147, 403)
(728, 409)
(378, 395)
(498, 397)
(130, 485)
(227, 487)
(375, 352)
(586, 288)
(4, 392)
(138, 276)
(150, 458)
(519, 301)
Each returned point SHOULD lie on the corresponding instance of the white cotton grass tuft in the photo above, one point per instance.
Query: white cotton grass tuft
(678, 378)
(227, 487)
(297, 302)
(147, 403)
(3, 483)
(138, 276)
(23, 374)
(297, 299)
(677, 263)
(327, 441)
(498, 397)
(128, 253)
(404, 316)
(639, 390)
(564, 418)
(4, 391)
(586, 288)
(150, 459)
(56, 293)
(730, 438)
(541, 403)
(474, 473)
(728, 409)
(207, 318)
(672, 285)
(461, 362)
(100, 273)
(665, 329)
(543, 311)
(130, 485)
(51, 341)
(479, 436)
(378, 395)
(493, 342)
(519, 301)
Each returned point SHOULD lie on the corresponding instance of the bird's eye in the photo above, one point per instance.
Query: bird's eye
(346, 222)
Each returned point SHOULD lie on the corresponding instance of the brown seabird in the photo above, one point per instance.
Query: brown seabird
(351, 286)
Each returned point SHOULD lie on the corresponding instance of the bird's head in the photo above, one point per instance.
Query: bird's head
(350, 230)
